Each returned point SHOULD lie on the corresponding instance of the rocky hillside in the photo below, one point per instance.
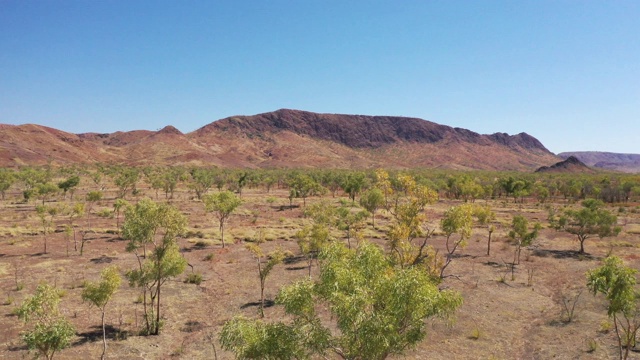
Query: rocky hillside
(570, 165)
(606, 160)
(284, 138)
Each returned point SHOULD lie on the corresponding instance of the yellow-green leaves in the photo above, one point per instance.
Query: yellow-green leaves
(223, 204)
(99, 293)
(50, 331)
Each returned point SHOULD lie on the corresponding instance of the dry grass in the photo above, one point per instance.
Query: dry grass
(504, 316)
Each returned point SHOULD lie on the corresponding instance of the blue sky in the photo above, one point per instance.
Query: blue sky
(566, 72)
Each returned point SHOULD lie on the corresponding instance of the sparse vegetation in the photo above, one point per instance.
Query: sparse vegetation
(406, 228)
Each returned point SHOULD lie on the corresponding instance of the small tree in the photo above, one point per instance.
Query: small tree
(521, 235)
(157, 225)
(201, 181)
(223, 204)
(99, 295)
(91, 198)
(304, 186)
(311, 239)
(74, 212)
(379, 310)
(118, 206)
(456, 220)
(352, 184)
(617, 283)
(51, 331)
(47, 215)
(126, 179)
(351, 222)
(372, 200)
(7, 178)
(485, 216)
(264, 268)
(69, 185)
(588, 221)
(46, 190)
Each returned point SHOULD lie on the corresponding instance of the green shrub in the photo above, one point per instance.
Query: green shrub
(194, 278)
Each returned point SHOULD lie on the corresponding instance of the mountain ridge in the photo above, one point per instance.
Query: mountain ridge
(283, 138)
(629, 163)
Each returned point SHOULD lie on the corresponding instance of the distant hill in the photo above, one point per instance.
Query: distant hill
(571, 165)
(606, 160)
(283, 138)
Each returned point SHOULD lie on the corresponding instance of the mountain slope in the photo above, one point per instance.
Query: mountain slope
(570, 165)
(606, 160)
(284, 138)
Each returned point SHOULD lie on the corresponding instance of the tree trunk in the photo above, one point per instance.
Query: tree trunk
(156, 331)
(489, 244)
(222, 233)
(104, 338)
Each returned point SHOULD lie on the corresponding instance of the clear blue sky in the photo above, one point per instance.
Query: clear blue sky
(564, 71)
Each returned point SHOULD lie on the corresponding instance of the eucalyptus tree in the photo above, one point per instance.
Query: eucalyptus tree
(266, 263)
(304, 186)
(69, 185)
(485, 216)
(91, 199)
(45, 190)
(521, 235)
(223, 204)
(202, 180)
(353, 183)
(350, 221)
(125, 178)
(51, 331)
(588, 221)
(47, 214)
(99, 294)
(457, 220)
(157, 226)
(7, 179)
(372, 200)
(379, 310)
(409, 224)
(617, 282)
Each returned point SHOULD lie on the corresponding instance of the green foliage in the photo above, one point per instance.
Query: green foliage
(353, 183)
(349, 221)
(156, 225)
(50, 332)
(379, 310)
(47, 214)
(100, 293)
(255, 339)
(126, 179)
(264, 268)
(223, 203)
(372, 200)
(588, 221)
(485, 216)
(45, 190)
(201, 181)
(194, 278)
(408, 225)
(521, 235)
(7, 179)
(303, 186)
(312, 239)
(94, 196)
(617, 283)
(69, 184)
(118, 206)
(456, 220)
